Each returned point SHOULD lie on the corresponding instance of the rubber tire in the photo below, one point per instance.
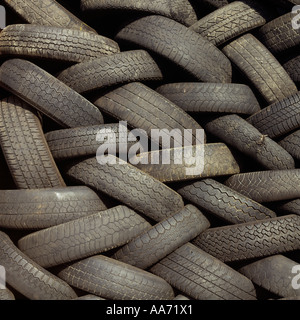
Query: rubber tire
(184, 47)
(129, 185)
(179, 10)
(291, 144)
(292, 67)
(54, 43)
(267, 186)
(47, 94)
(228, 22)
(163, 238)
(225, 203)
(83, 237)
(288, 207)
(25, 148)
(273, 274)
(47, 13)
(215, 159)
(251, 239)
(211, 97)
(261, 68)
(279, 118)
(44, 208)
(28, 278)
(6, 294)
(240, 134)
(202, 277)
(120, 68)
(115, 280)
(81, 142)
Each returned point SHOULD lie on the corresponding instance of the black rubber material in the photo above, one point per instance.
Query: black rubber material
(6, 294)
(293, 68)
(291, 143)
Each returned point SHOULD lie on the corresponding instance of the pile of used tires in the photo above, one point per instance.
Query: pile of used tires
(72, 227)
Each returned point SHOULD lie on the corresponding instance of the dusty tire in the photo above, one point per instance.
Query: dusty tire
(251, 239)
(83, 237)
(129, 185)
(293, 68)
(210, 160)
(163, 238)
(273, 274)
(115, 280)
(279, 118)
(47, 94)
(211, 97)
(240, 134)
(224, 202)
(261, 67)
(291, 144)
(25, 148)
(44, 208)
(53, 43)
(288, 207)
(184, 47)
(267, 186)
(202, 277)
(121, 68)
(228, 22)
(28, 278)
(6, 294)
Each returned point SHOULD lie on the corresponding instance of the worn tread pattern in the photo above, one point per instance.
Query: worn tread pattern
(211, 97)
(240, 134)
(25, 148)
(6, 294)
(279, 118)
(291, 143)
(83, 237)
(163, 238)
(261, 68)
(201, 161)
(273, 274)
(44, 208)
(203, 277)
(179, 10)
(54, 43)
(119, 68)
(186, 48)
(267, 186)
(293, 68)
(251, 239)
(28, 278)
(47, 13)
(47, 94)
(116, 280)
(129, 185)
(279, 35)
(224, 202)
(228, 22)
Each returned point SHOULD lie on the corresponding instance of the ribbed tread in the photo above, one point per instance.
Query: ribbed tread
(293, 68)
(291, 143)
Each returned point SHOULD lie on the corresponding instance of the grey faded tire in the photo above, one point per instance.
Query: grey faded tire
(279, 118)
(44, 208)
(47, 13)
(293, 68)
(251, 239)
(291, 143)
(83, 237)
(125, 183)
(224, 202)
(144, 108)
(228, 22)
(240, 134)
(267, 186)
(258, 64)
(29, 278)
(288, 207)
(115, 280)
(6, 294)
(24, 146)
(85, 141)
(54, 43)
(47, 94)
(89, 297)
(207, 160)
(184, 47)
(203, 277)
(279, 35)
(273, 274)
(179, 10)
(163, 238)
(211, 97)
(119, 68)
